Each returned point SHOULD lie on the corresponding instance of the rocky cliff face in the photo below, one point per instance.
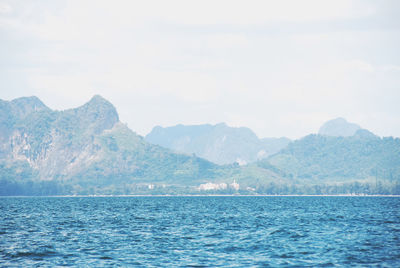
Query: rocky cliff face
(84, 148)
(54, 143)
(14, 111)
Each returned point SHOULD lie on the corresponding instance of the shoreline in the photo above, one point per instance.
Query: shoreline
(193, 195)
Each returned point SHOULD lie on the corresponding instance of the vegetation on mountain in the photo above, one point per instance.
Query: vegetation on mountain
(363, 158)
(87, 150)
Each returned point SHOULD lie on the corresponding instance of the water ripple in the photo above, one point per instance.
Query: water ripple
(200, 231)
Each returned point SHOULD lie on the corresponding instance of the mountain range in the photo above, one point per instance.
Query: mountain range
(87, 150)
(219, 143)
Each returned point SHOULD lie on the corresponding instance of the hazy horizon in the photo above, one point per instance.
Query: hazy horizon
(206, 123)
(279, 68)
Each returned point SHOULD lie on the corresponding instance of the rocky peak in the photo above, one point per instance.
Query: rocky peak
(13, 111)
(338, 127)
(98, 104)
(97, 99)
(98, 112)
(24, 106)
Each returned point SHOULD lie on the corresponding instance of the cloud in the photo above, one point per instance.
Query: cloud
(185, 85)
(83, 19)
(279, 67)
(5, 8)
(391, 68)
(253, 11)
(358, 65)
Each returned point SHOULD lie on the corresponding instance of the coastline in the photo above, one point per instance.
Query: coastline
(192, 195)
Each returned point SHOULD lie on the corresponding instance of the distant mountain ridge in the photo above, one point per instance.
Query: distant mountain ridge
(87, 150)
(219, 143)
(338, 127)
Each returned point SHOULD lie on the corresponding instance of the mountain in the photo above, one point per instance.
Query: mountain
(338, 127)
(273, 145)
(219, 143)
(12, 111)
(86, 150)
(326, 160)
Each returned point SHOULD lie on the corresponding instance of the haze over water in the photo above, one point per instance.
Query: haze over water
(200, 231)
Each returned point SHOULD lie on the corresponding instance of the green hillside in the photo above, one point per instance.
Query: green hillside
(362, 158)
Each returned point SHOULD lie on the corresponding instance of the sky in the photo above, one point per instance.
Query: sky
(281, 68)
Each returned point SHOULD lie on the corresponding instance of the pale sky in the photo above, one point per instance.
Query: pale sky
(281, 68)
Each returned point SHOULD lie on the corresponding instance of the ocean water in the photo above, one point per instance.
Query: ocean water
(200, 231)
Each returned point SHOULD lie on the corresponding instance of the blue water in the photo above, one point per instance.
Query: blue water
(200, 231)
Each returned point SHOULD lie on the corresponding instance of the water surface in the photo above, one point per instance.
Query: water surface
(200, 231)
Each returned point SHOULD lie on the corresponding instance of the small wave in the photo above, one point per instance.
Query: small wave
(33, 254)
(279, 231)
(231, 249)
(105, 258)
(286, 256)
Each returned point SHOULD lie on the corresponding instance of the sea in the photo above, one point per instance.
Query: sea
(200, 231)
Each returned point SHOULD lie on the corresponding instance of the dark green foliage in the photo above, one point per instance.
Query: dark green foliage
(326, 158)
